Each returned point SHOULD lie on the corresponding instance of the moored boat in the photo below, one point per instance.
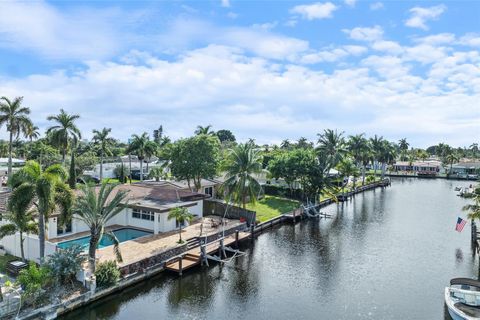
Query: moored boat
(463, 299)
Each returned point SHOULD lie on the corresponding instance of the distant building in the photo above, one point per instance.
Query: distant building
(466, 168)
(424, 167)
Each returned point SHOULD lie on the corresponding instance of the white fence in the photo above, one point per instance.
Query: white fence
(31, 246)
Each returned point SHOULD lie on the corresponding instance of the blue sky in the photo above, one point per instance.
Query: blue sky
(268, 70)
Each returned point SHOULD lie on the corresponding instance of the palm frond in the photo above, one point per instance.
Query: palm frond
(116, 245)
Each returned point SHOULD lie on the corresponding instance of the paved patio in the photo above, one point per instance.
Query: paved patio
(145, 247)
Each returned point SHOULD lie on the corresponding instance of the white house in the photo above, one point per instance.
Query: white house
(147, 211)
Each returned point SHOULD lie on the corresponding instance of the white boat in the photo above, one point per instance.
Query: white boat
(463, 299)
(458, 188)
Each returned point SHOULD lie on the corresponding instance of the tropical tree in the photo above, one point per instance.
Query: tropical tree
(285, 144)
(43, 190)
(332, 144)
(95, 207)
(15, 117)
(204, 130)
(181, 215)
(32, 133)
(359, 148)
(104, 144)
(348, 169)
(474, 148)
(225, 135)
(403, 147)
(303, 143)
(377, 145)
(387, 155)
(194, 159)
(63, 131)
(20, 220)
(141, 146)
(452, 158)
(244, 162)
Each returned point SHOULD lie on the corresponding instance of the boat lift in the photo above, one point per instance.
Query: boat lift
(310, 210)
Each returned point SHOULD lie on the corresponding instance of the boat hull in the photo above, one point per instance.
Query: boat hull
(455, 314)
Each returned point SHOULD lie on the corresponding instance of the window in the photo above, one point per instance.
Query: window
(209, 190)
(143, 214)
(65, 228)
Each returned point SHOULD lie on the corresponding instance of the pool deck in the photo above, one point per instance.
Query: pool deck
(144, 247)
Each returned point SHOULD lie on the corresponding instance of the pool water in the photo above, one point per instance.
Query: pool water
(122, 235)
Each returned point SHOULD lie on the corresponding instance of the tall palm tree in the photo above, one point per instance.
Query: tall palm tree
(32, 133)
(359, 148)
(204, 130)
(19, 220)
(387, 156)
(474, 148)
(452, 158)
(332, 144)
(285, 144)
(141, 146)
(64, 130)
(347, 168)
(377, 145)
(43, 190)
(104, 143)
(95, 207)
(15, 117)
(244, 161)
(181, 215)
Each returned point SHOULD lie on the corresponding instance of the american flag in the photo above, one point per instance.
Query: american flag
(460, 224)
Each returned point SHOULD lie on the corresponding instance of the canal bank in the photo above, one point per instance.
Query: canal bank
(385, 254)
(176, 259)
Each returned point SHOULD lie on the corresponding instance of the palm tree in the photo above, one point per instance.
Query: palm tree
(474, 148)
(181, 215)
(244, 161)
(347, 168)
(332, 144)
(452, 158)
(359, 148)
(285, 144)
(95, 207)
(104, 143)
(387, 155)
(64, 130)
(15, 117)
(32, 133)
(377, 149)
(141, 146)
(19, 220)
(44, 191)
(204, 130)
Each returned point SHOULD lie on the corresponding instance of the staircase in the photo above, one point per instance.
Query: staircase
(193, 243)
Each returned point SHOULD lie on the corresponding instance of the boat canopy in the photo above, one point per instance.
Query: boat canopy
(465, 281)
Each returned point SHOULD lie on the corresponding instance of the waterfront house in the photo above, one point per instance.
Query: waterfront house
(466, 168)
(210, 187)
(147, 211)
(422, 167)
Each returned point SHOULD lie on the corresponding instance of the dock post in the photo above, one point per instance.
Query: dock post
(252, 231)
(474, 231)
(236, 238)
(180, 267)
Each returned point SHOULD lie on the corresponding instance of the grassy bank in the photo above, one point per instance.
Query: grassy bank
(271, 206)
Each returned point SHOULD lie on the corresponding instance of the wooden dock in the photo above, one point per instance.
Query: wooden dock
(192, 257)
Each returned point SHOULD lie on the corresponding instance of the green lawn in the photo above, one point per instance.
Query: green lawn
(271, 206)
(3, 261)
(115, 180)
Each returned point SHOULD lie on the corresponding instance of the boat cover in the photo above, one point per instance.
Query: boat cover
(465, 281)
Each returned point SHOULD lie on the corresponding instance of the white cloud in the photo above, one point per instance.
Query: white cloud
(226, 3)
(314, 11)
(365, 34)
(387, 46)
(350, 3)
(222, 86)
(419, 16)
(435, 39)
(470, 39)
(74, 34)
(376, 6)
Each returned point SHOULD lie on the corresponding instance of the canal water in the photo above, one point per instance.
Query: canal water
(386, 254)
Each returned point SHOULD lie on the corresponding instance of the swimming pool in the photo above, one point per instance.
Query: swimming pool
(122, 235)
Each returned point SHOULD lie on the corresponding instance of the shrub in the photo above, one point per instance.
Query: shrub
(121, 172)
(370, 179)
(64, 264)
(107, 274)
(33, 280)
